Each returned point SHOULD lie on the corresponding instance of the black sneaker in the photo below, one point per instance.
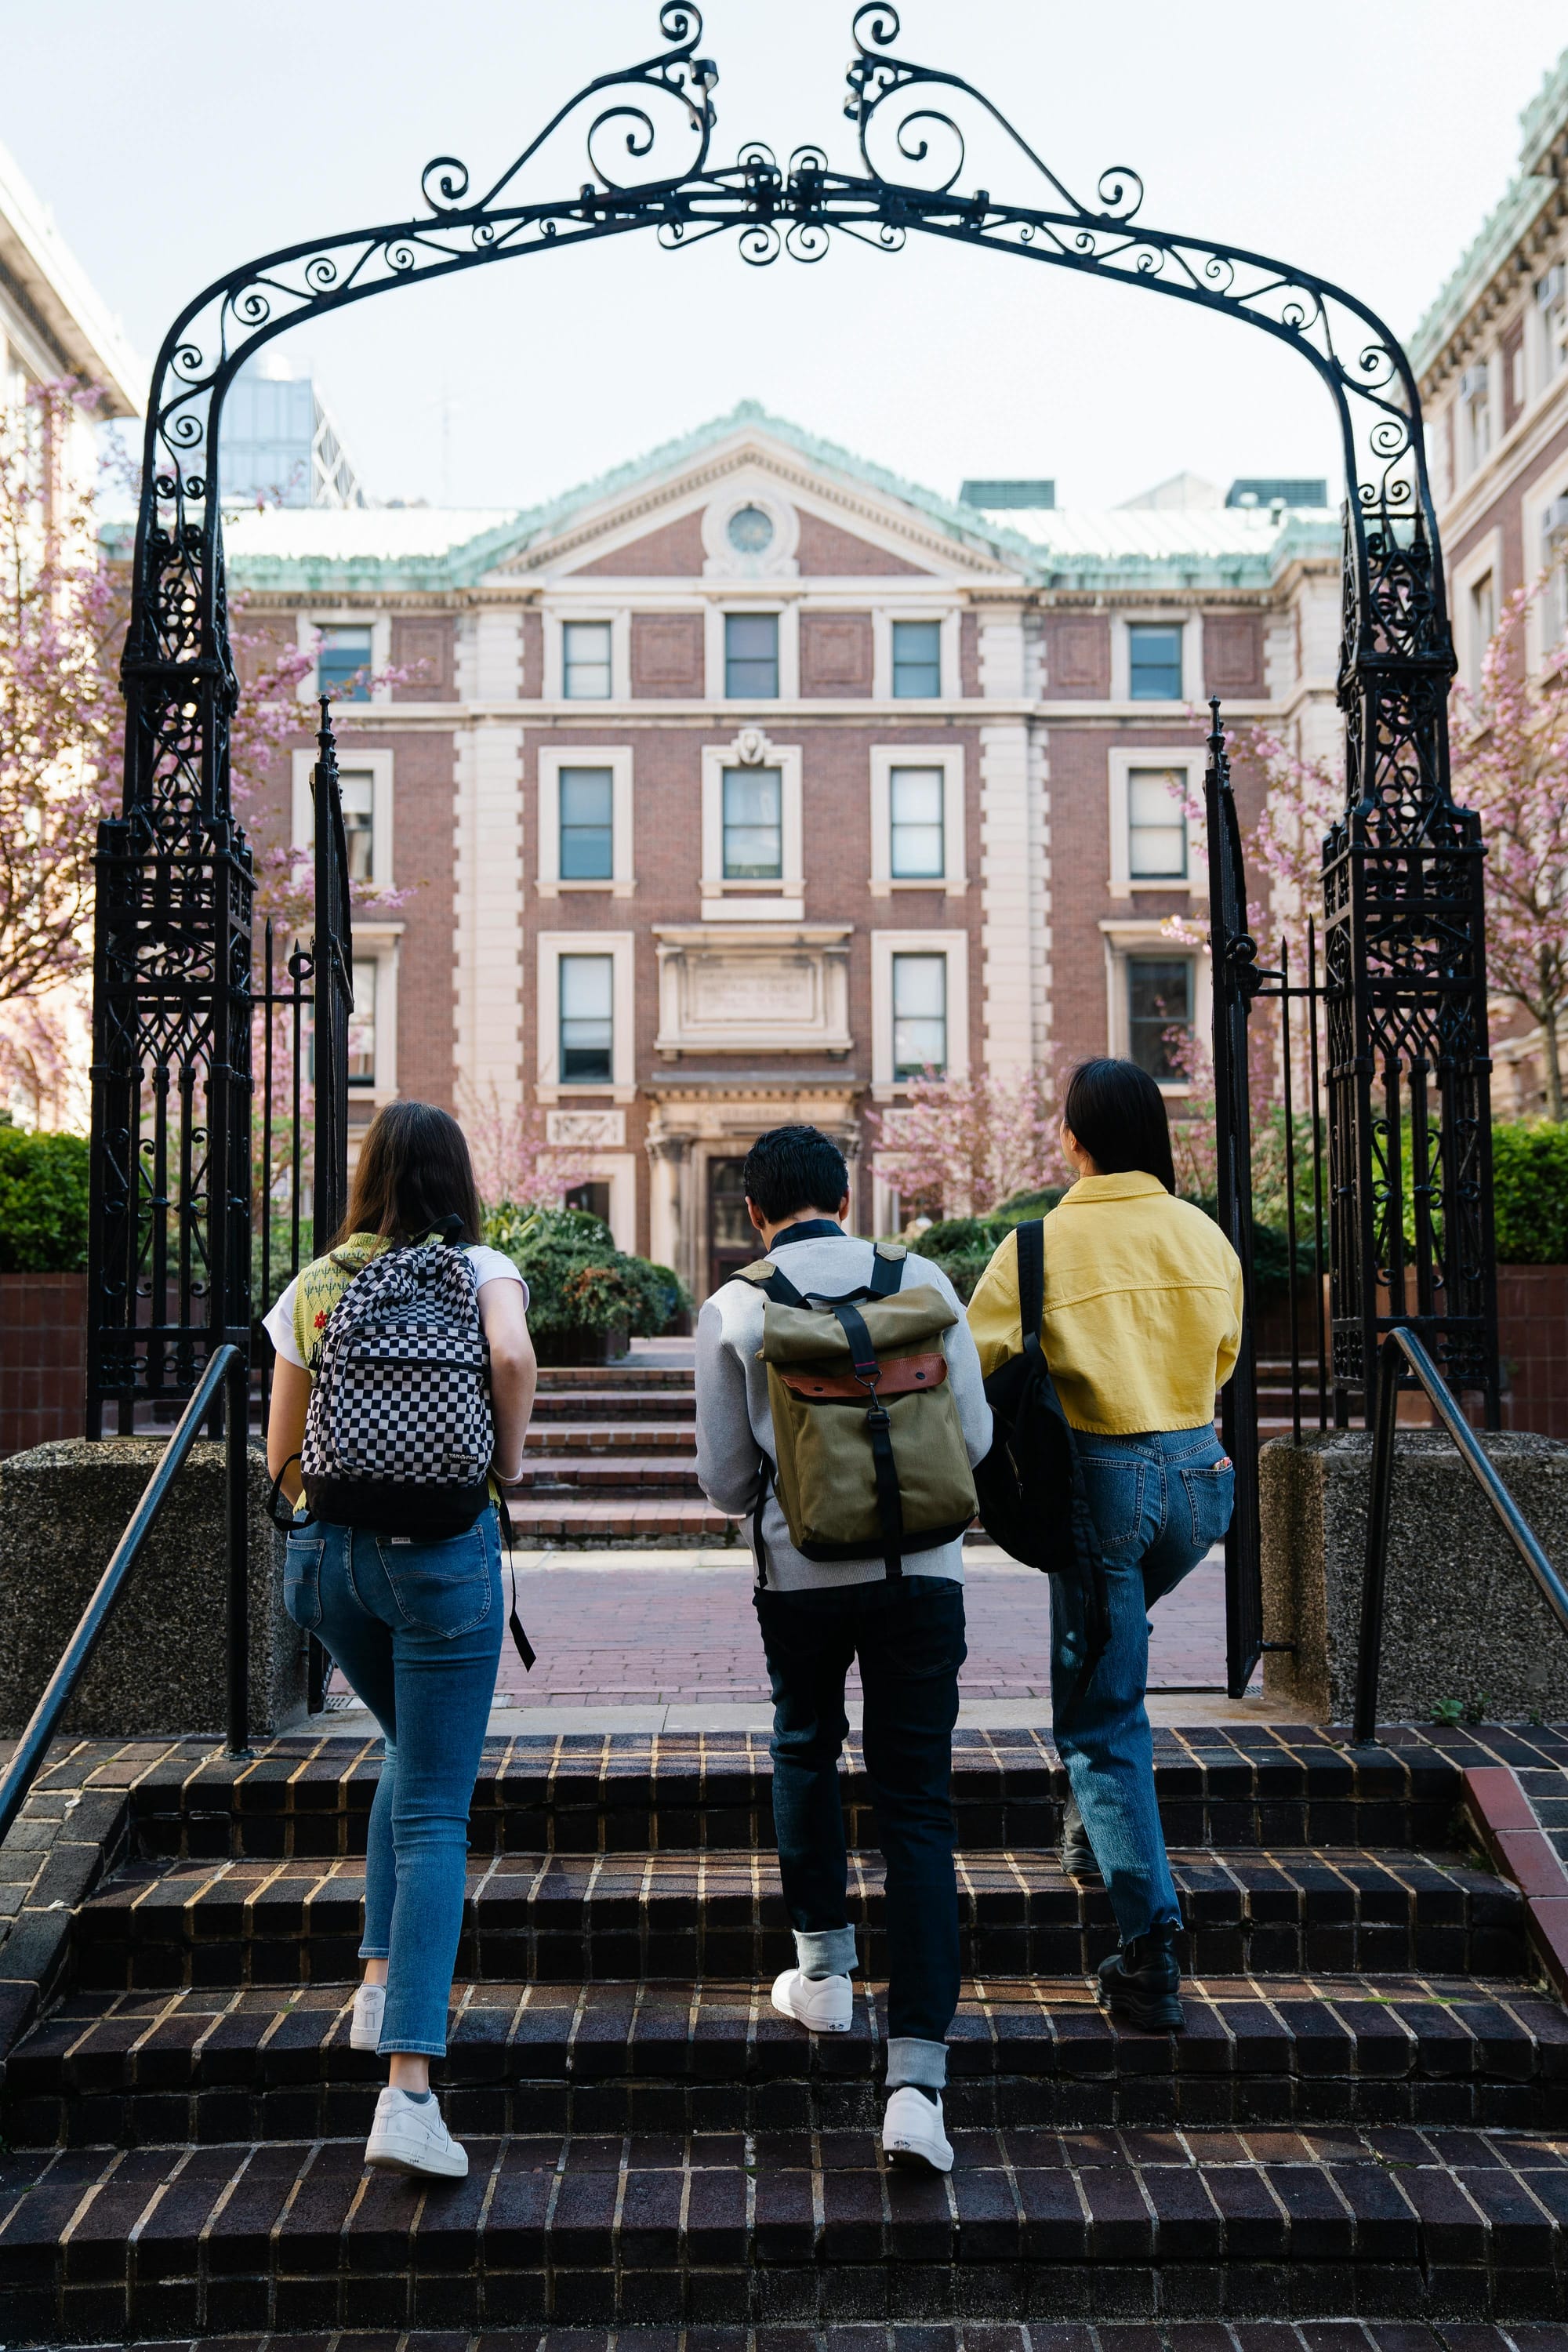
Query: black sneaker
(1077, 1854)
(1141, 1982)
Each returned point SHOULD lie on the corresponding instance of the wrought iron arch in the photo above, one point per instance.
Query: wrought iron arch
(1407, 997)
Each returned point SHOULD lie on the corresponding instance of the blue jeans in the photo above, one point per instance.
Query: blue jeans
(416, 1628)
(909, 1637)
(1159, 1501)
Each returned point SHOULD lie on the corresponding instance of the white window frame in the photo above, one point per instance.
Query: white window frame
(885, 946)
(617, 758)
(550, 947)
(949, 757)
(730, 899)
(1484, 557)
(1146, 936)
(380, 944)
(883, 619)
(620, 625)
(788, 613)
(1122, 759)
(1191, 625)
(350, 756)
(1551, 483)
(308, 627)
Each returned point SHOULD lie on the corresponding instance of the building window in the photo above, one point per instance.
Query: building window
(587, 1019)
(1159, 1000)
(1156, 826)
(915, 819)
(594, 1198)
(920, 1015)
(752, 657)
(1154, 661)
(357, 788)
(917, 658)
(750, 530)
(1475, 394)
(585, 661)
(343, 665)
(361, 1025)
(1552, 298)
(1483, 622)
(587, 825)
(753, 825)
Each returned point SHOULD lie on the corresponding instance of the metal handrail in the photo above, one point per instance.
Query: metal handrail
(1405, 1343)
(227, 1368)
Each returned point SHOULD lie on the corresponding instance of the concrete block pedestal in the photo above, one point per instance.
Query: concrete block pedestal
(1463, 1618)
(159, 1666)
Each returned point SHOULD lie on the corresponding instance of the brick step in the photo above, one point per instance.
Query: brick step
(600, 1437)
(1229, 1787)
(686, 1516)
(654, 1475)
(140, 2070)
(567, 1918)
(548, 2232)
(628, 1374)
(616, 1404)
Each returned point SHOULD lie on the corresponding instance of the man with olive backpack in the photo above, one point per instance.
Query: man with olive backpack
(839, 1403)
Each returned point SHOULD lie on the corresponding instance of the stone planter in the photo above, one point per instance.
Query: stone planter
(43, 1358)
(1463, 1617)
(581, 1346)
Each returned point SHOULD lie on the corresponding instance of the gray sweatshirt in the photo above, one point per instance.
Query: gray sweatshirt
(735, 1428)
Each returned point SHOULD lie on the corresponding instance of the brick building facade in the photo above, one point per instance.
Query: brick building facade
(1491, 357)
(741, 783)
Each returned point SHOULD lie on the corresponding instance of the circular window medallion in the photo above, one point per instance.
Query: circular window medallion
(751, 530)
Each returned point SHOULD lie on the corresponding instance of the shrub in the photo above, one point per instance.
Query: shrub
(43, 1202)
(963, 1248)
(1529, 1180)
(577, 1279)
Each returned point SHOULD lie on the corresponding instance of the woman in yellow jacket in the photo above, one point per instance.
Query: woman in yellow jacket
(1141, 1324)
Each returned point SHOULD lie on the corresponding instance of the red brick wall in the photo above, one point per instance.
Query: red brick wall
(1532, 1340)
(43, 1359)
(969, 655)
(1078, 658)
(667, 655)
(1512, 343)
(428, 648)
(835, 653)
(823, 548)
(533, 685)
(673, 551)
(1233, 653)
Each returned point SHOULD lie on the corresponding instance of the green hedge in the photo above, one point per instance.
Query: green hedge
(1530, 1184)
(43, 1202)
(577, 1279)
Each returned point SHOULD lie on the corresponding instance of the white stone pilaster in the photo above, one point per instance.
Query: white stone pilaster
(488, 914)
(1012, 927)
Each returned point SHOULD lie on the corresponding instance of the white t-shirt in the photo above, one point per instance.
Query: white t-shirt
(489, 1264)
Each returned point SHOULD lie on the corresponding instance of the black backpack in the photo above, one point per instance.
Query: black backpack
(1033, 1499)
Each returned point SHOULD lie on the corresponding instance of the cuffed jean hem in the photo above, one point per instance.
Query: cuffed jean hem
(408, 2048)
(924, 2063)
(375, 1951)
(826, 1951)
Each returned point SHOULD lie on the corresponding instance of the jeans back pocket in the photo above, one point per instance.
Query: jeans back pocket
(1211, 1498)
(1115, 1484)
(442, 1587)
(303, 1581)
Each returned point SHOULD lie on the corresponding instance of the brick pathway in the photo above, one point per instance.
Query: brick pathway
(637, 1629)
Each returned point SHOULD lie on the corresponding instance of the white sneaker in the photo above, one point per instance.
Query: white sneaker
(825, 2004)
(912, 2132)
(370, 2003)
(408, 2136)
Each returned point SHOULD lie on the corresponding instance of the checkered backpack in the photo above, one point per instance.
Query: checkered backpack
(399, 1435)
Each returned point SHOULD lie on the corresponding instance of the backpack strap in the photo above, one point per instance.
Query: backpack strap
(1031, 1278)
(889, 1505)
(888, 1269)
(764, 1274)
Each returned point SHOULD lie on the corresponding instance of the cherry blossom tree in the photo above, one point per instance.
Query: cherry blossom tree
(1510, 765)
(514, 1160)
(959, 1147)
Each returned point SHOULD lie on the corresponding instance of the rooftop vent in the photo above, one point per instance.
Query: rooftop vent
(1008, 494)
(1282, 489)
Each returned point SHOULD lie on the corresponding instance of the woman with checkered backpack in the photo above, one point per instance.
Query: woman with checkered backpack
(401, 1391)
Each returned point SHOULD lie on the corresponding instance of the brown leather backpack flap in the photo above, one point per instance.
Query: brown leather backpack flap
(901, 1376)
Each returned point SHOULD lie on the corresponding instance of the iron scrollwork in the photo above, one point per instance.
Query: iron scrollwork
(1404, 954)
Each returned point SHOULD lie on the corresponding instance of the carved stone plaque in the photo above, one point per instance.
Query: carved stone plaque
(586, 1131)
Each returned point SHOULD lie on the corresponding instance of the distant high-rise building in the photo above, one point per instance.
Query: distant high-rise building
(279, 445)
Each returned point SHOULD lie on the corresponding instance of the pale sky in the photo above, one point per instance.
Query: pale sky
(1364, 139)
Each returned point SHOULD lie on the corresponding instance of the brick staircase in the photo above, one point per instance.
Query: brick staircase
(1359, 2120)
(611, 1457)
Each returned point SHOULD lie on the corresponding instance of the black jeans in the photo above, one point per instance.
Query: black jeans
(909, 1637)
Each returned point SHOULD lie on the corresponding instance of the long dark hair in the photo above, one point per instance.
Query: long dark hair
(413, 1172)
(1118, 1115)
